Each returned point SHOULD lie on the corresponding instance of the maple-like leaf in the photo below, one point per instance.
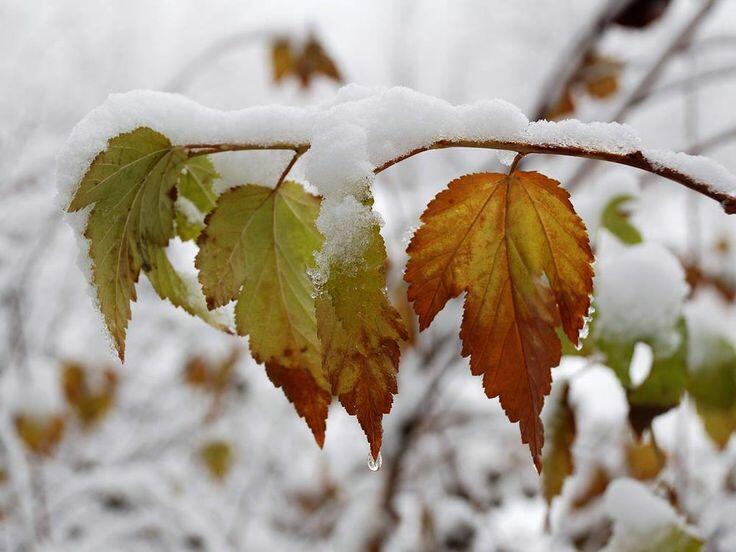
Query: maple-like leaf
(514, 244)
(257, 247)
(131, 185)
(360, 332)
(557, 460)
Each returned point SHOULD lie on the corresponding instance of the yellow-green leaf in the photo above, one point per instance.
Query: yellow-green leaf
(257, 247)
(131, 187)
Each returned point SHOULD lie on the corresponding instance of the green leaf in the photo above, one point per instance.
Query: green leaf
(663, 388)
(131, 187)
(257, 247)
(616, 220)
(195, 186)
(713, 389)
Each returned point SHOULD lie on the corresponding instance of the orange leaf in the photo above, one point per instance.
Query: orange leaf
(360, 331)
(514, 244)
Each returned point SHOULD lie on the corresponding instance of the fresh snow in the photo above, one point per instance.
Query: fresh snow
(699, 168)
(640, 519)
(639, 294)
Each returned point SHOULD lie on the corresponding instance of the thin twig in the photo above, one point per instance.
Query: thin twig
(649, 79)
(635, 159)
(288, 168)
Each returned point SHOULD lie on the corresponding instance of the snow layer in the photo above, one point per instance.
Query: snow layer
(640, 518)
(699, 168)
(351, 135)
(639, 292)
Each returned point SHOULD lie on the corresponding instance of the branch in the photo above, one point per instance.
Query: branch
(636, 159)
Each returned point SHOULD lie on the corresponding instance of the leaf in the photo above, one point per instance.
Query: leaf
(40, 433)
(360, 332)
(616, 220)
(557, 460)
(257, 247)
(131, 185)
(645, 460)
(218, 458)
(713, 389)
(89, 402)
(282, 59)
(516, 247)
(663, 387)
(195, 186)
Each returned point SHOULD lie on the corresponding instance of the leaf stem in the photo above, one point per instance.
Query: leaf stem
(515, 163)
(288, 168)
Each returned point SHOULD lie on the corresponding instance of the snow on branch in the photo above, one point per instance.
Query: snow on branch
(376, 128)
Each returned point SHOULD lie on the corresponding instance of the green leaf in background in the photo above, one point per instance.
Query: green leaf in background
(131, 185)
(663, 387)
(196, 191)
(616, 220)
(257, 247)
(713, 389)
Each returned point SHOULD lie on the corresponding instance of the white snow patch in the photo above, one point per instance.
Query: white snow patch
(605, 137)
(639, 293)
(699, 168)
(640, 518)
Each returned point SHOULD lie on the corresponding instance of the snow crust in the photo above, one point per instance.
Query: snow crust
(640, 291)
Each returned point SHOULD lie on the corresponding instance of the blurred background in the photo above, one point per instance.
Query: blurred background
(188, 446)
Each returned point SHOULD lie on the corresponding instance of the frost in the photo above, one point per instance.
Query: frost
(639, 291)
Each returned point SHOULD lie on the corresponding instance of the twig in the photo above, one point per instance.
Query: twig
(651, 77)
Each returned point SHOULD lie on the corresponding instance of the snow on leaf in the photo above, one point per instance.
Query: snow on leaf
(131, 185)
(557, 460)
(360, 332)
(514, 244)
(257, 247)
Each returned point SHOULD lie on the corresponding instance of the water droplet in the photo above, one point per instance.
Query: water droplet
(586, 327)
(375, 465)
